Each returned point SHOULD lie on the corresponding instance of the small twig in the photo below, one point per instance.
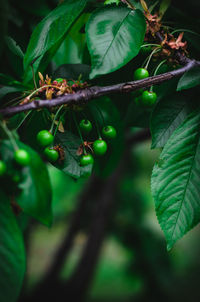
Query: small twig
(85, 95)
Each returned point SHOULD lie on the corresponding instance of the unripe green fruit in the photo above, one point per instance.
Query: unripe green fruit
(51, 154)
(109, 132)
(140, 73)
(85, 126)
(148, 98)
(99, 147)
(59, 80)
(3, 168)
(45, 138)
(86, 160)
(22, 157)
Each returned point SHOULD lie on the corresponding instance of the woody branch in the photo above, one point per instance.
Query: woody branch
(85, 95)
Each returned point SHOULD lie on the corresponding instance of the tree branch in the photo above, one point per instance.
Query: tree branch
(85, 95)
(81, 278)
(67, 242)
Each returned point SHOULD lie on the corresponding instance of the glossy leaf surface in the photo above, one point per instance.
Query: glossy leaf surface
(175, 181)
(114, 37)
(168, 114)
(49, 34)
(71, 164)
(190, 79)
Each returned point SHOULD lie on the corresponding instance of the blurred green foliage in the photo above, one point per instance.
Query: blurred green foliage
(133, 257)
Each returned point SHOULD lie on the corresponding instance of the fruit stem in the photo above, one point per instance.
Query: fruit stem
(129, 4)
(14, 101)
(40, 88)
(79, 131)
(156, 70)
(55, 117)
(100, 113)
(23, 120)
(59, 123)
(98, 131)
(9, 134)
(184, 30)
(145, 45)
(150, 56)
(96, 124)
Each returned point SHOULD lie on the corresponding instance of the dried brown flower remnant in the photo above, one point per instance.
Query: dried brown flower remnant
(177, 43)
(60, 151)
(153, 24)
(86, 145)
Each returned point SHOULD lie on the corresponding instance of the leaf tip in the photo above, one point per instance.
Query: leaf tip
(170, 246)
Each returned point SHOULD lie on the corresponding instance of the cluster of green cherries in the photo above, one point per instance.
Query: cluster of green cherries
(45, 139)
(99, 146)
(146, 98)
(21, 158)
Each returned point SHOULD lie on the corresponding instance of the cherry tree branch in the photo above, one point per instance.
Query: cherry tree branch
(85, 95)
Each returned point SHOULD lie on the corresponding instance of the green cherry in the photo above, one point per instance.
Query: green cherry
(85, 126)
(109, 132)
(3, 168)
(51, 154)
(140, 73)
(59, 80)
(45, 138)
(86, 160)
(99, 147)
(148, 98)
(22, 157)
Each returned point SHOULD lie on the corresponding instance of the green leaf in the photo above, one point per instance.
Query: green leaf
(190, 79)
(12, 253)
(5, 79)
(74, 45)
(71, 166)
(114, 37)
(72, 71)
(50, 33)
(8, 89)
(164, 6)
(175, 181)
(35, 196)
(14, 48)
(168, 114)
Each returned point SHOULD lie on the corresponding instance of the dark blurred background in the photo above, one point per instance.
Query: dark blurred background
(133, 263)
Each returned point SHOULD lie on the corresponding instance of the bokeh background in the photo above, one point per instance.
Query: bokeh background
(133, 264)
